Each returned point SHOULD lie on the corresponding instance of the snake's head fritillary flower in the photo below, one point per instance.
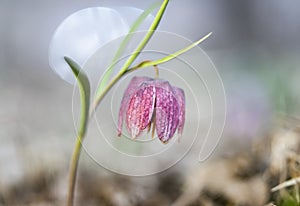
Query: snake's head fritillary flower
(155, 102)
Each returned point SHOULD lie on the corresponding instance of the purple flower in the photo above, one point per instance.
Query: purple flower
(152, 102)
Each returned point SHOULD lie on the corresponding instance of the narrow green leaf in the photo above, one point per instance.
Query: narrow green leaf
(125, 41)
(147, 37)
(169, 57)
(137, 51)
(84, 90)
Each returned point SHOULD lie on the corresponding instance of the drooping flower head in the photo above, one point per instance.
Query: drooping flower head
(148, 101)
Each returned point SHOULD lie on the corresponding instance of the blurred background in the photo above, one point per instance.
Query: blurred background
(255, 47)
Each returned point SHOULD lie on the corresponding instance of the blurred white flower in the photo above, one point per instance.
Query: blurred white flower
(85, 31)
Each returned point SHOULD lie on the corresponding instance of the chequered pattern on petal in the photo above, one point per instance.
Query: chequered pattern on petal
(179, 94)
(140, 110)
(167, 112)
(142, 98)
(130, 90)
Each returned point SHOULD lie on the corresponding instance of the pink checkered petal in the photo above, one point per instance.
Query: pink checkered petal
(140, 109)
(167, 111)
(179, 93)
(132, 88)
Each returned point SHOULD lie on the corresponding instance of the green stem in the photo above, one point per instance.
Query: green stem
(105, 91)
(73, 170)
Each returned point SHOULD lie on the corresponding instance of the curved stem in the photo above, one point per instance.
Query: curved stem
(112, 83)
(105, 91)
